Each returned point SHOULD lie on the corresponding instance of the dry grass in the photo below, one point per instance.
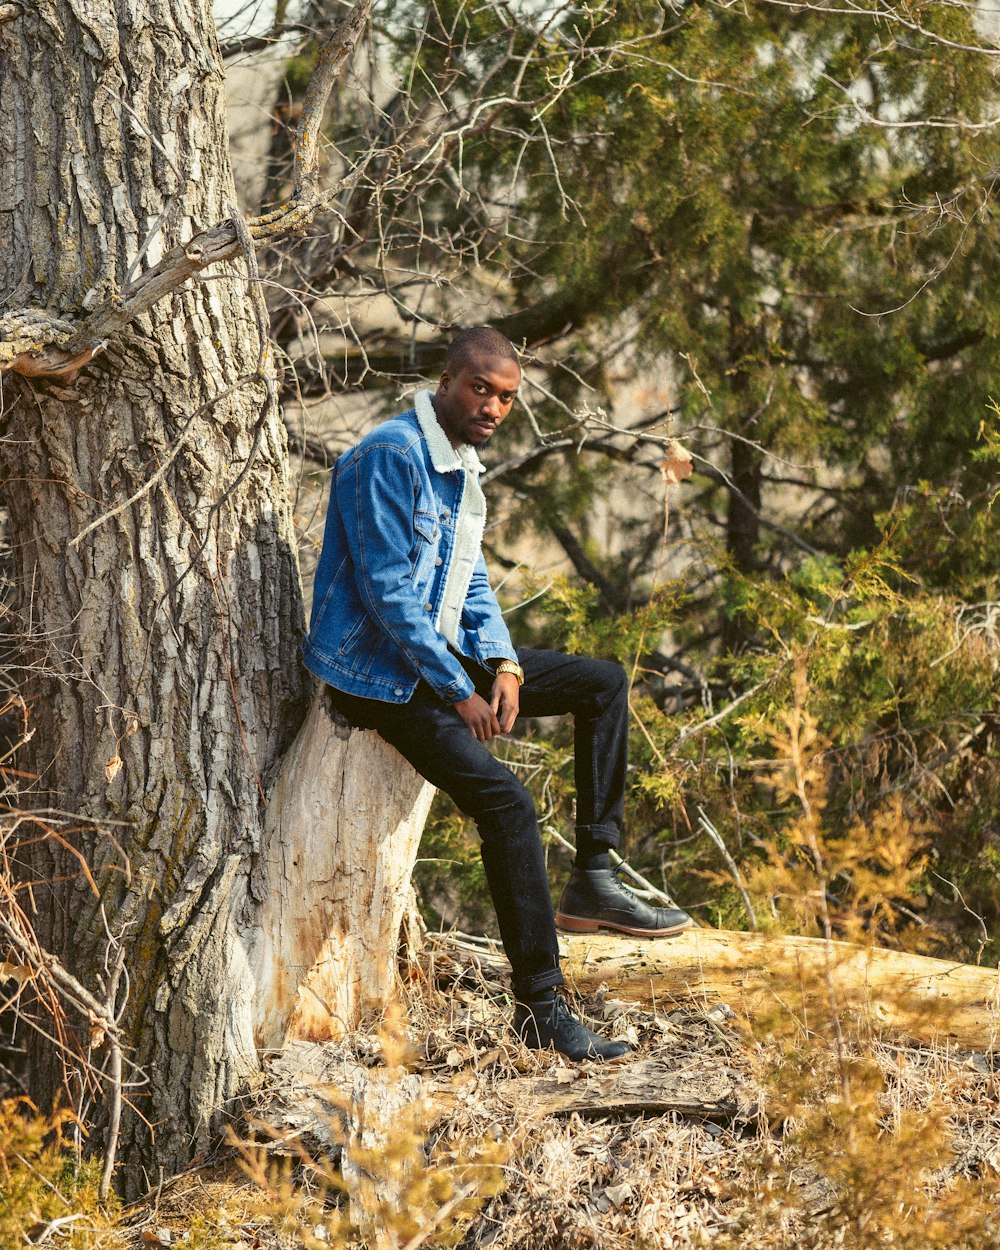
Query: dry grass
(906, 1155)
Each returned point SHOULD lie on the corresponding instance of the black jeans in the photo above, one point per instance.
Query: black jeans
(434, 738)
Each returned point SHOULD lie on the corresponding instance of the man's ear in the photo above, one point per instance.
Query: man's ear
(444, 381)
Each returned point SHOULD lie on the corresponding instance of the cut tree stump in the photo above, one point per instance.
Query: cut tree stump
(340, 837)
(928, 1000)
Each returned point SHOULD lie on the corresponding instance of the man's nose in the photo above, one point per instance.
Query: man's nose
(492, 408)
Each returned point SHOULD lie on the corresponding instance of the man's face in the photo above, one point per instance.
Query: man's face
(471, 403)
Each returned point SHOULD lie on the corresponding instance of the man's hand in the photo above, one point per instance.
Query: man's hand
(480, 716)
(486, 720)
(505, 700)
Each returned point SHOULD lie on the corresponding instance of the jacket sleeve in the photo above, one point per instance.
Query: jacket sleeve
(483, 620)
(375, 492)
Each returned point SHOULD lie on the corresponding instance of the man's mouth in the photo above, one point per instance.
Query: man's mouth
(485, 428)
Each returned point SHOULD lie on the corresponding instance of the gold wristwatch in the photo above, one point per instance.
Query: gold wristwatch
(508, 666)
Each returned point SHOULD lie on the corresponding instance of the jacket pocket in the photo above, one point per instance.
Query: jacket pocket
(427, 536)
(333, 587)
(362, 645)
(425, 523)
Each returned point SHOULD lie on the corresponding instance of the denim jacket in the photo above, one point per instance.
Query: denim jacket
(402, 540)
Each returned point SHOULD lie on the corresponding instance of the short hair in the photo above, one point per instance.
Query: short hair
(478, 339)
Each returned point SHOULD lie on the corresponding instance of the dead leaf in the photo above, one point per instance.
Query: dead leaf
(566, 1076)
(156, 1237)
(14, 972)
(677, 464)
(113, 767)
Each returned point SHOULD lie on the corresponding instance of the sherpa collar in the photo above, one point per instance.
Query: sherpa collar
(444, 457)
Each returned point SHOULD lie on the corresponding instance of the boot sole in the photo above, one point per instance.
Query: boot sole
(581, 924)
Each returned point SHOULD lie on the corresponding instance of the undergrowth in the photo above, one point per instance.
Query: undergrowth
(48, 1191)
(386, 1187)
(881, 1169)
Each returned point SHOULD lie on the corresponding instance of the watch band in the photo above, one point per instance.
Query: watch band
(508, 666)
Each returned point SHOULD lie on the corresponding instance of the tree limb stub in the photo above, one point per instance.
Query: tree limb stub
(37, 343)
(333, 54)
(62, 347)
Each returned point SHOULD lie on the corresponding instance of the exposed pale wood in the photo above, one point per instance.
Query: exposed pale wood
(322, 1099)
(340, 839)
(384, 1104)
(926, 999)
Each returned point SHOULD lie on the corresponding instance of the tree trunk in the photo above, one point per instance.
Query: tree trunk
(162, 642)
(742, 522)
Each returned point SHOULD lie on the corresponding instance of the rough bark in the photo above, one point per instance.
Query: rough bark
(160, 643)
(743, 516)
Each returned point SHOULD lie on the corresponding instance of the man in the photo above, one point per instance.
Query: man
(407, 631)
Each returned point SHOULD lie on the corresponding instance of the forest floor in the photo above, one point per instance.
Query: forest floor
(716, 1131)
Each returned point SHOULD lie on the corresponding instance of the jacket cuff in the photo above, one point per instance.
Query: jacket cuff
(458, 691)
(492, 652)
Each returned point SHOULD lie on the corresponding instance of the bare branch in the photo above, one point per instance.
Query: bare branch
(890, 16)
(35, 343)
(242, 45)
(716, 837)
(333, 53)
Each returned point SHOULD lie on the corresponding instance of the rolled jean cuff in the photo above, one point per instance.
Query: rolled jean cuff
(603, 835)
(533, 985)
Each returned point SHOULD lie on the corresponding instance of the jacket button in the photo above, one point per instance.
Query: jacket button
(398, 692)
(438, 561)
(428, 607)
(445, 513)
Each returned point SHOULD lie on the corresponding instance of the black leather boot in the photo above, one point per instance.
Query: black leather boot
(553, 1024)
(595, 898)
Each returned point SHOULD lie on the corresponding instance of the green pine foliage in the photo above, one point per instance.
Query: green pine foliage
(796, 211)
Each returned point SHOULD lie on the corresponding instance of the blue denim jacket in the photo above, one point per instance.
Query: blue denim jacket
(388, 548)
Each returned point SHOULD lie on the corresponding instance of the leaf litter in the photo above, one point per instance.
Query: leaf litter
(678, 1145)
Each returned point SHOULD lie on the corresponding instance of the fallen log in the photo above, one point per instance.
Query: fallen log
(316, 1086)
(321, 1101)
(925, 999)
(638, 1086)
